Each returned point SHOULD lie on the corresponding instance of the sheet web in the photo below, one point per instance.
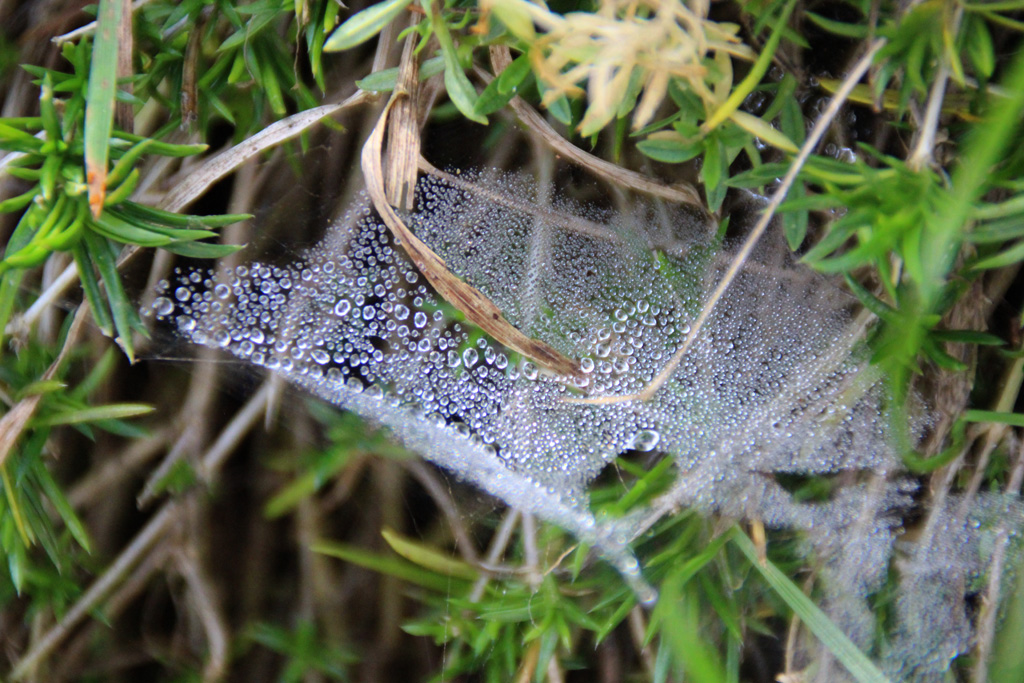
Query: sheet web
(773, 384)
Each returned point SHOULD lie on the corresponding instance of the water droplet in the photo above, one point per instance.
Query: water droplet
(530, 371)
(646, 440)
(163, 306)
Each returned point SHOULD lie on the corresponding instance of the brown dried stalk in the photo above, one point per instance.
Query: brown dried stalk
(404, 133)
(477, 308)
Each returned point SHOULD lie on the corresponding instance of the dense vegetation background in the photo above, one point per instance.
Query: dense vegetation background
(181, 519)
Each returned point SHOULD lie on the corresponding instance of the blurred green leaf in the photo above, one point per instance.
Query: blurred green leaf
(669, 148)
(94, 413)
(400, 569)
(460, 90)
(364, 25)
(1012, 419)
(384, 80)
(428, 558)
(858, 31)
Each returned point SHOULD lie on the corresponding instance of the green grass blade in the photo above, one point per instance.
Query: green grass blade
(100, 100)
(753, 78)
(1012, 419)
(94, 413)
(424, 556)
(460, 90)
(856, 662)
(682, 632)
(63, 507)
(202, 249)
(91, 288)
(985, 146)
(1008, 662)
(400, 569)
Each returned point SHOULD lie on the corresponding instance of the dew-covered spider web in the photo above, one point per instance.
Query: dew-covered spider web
(773, 385)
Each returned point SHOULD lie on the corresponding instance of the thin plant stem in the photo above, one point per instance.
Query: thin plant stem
(531, 555)
(95, 594)
(498, 545)
(682, 192)
(210, 615)
(925, 147)
(433, 486)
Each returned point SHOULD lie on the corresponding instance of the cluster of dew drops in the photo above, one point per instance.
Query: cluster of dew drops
(365, 320)
(355, 317)
(598, 301)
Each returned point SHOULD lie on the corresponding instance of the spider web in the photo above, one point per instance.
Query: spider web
(773, 385)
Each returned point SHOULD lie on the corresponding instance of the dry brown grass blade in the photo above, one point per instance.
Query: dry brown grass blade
(13, 424)
(124, 112)
(477, 308)
(680, 193)
(189, 97)
(820, 126)
(225, 163)
(404, 132)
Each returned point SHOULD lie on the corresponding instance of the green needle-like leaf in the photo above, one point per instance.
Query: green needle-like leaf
(100, 100)
(460, 90)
